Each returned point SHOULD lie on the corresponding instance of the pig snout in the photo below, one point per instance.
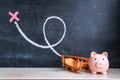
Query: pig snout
(99, 65)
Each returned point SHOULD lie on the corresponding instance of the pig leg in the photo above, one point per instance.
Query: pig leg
(93, 72)
(104, 73)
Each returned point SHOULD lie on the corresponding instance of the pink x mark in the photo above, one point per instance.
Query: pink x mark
(13, 16)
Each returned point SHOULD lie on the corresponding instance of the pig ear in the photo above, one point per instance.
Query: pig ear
(93, 53)
(105, 54)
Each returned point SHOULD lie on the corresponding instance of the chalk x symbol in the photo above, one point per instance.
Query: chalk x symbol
(13, 16)
(46, 40)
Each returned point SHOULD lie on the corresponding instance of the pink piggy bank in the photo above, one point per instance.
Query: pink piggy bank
(99, 62)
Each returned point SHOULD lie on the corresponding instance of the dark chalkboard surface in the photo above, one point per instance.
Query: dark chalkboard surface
(90, 25)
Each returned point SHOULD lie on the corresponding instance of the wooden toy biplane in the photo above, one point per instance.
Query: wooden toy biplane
(74, 63)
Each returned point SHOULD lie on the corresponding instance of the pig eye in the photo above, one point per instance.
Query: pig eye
(95, 59)
(103, 59)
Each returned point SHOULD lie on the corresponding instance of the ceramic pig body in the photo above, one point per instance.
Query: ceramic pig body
(99, 62)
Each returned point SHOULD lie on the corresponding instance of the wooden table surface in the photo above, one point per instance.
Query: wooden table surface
(54, 73)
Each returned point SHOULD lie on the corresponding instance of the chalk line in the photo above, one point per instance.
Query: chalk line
(46, 40)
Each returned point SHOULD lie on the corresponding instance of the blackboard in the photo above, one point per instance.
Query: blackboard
(91, 25)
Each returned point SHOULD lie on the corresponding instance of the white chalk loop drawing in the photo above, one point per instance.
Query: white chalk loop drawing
(51, 46)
